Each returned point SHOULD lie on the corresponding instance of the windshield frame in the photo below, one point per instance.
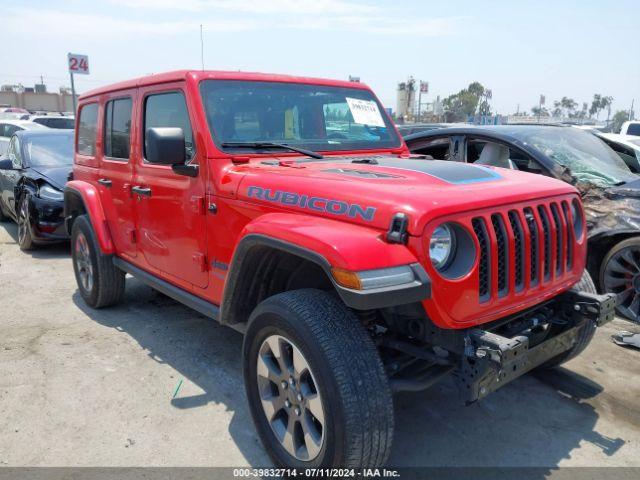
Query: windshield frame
(395, 142)
(26, 141)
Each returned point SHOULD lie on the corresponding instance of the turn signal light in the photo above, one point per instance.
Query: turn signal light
(346, 279)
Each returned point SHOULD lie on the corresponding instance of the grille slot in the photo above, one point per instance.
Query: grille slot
(569, 235)
(555, 213)
(534, 254)
(480, 230)
(518, 236)
(546, 232)
(503, 252)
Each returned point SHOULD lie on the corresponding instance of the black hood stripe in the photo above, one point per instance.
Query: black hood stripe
(447, 171)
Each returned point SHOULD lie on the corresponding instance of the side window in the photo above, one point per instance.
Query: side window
(2, 129)
(117, 128)
(13, 153)
(634, 129)
(87, 129)
(437, 148)
(169, 110)
(11, 129)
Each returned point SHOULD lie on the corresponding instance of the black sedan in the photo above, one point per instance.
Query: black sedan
(610, 191)
(32, 175)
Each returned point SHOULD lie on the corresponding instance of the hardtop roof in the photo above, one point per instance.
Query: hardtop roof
(198, 75)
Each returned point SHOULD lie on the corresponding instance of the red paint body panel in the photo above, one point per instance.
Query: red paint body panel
(93, 204)
(173, 227)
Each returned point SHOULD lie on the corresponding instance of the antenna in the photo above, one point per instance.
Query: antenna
(201, 48)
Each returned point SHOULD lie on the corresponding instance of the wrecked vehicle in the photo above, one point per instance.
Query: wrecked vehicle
(610, 191)
(288, 208)
(32, 175)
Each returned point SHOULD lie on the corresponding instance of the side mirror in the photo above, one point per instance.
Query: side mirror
(165, 146)
(5, 164)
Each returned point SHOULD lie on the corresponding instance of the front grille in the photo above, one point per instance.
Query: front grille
(531, 245)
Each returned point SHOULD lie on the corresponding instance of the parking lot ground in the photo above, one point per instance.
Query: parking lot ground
(80, 387)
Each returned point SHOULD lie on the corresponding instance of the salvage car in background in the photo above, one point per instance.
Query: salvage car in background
(9, 127)
(32, 175)
(626, 146)
(630, 128)
(610, 191)
(54, 121)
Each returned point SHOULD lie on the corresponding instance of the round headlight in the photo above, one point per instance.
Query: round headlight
(442, 246)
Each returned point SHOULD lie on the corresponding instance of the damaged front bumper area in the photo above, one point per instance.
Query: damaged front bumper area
(492, 359)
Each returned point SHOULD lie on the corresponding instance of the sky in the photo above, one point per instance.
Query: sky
(519, 49)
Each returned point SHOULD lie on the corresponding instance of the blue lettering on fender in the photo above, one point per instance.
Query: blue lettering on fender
(317, 204)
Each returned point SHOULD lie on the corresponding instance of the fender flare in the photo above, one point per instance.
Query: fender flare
(329, 244)
(90, 198)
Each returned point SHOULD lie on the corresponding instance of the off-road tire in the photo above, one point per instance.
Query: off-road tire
(108, 281)
(25, 239)
(586, 333)
(356, 398)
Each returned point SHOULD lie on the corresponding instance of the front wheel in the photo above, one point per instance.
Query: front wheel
(317, 390)
(620, 274)
(25, 238)
(100, 282)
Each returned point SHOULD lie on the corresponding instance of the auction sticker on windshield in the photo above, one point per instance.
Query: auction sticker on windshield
(365, 112)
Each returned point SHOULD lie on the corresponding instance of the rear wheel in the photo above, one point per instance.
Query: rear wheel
(100, 282)
(316, 386)
(620, 274)
(586, 333)
(25, 239)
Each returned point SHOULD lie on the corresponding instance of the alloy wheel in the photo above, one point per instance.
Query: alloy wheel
(290, 398)
(83, 262)
(622, 277)
(23, 221)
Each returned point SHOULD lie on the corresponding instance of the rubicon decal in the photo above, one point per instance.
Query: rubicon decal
(317, 204)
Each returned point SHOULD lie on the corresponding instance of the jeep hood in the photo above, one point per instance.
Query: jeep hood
(370, 190)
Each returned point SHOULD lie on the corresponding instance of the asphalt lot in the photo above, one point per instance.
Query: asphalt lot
(94, 388)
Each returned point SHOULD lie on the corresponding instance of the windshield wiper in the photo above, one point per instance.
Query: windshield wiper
(269, 145)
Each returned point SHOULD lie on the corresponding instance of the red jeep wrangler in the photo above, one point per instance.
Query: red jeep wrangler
(290, 209)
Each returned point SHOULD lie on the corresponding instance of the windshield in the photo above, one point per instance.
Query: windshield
(314, 117)
(49, 150)
(587, 157)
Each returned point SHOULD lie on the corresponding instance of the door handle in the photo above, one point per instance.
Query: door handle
(146, 191)
(105, 181)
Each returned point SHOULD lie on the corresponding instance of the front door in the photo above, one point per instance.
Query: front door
(170, 208)
(116, 169)
(9, 178)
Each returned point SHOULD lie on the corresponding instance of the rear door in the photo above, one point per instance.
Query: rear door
(116, 169)
(170, 208)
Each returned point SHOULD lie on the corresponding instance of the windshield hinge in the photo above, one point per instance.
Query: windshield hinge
(397, 232)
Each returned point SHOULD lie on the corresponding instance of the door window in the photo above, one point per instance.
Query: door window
(87, 129)
(117, 128)
(169, 110)
(437, 148)
(13, 153)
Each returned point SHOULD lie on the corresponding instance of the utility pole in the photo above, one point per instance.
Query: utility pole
(631, 115)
